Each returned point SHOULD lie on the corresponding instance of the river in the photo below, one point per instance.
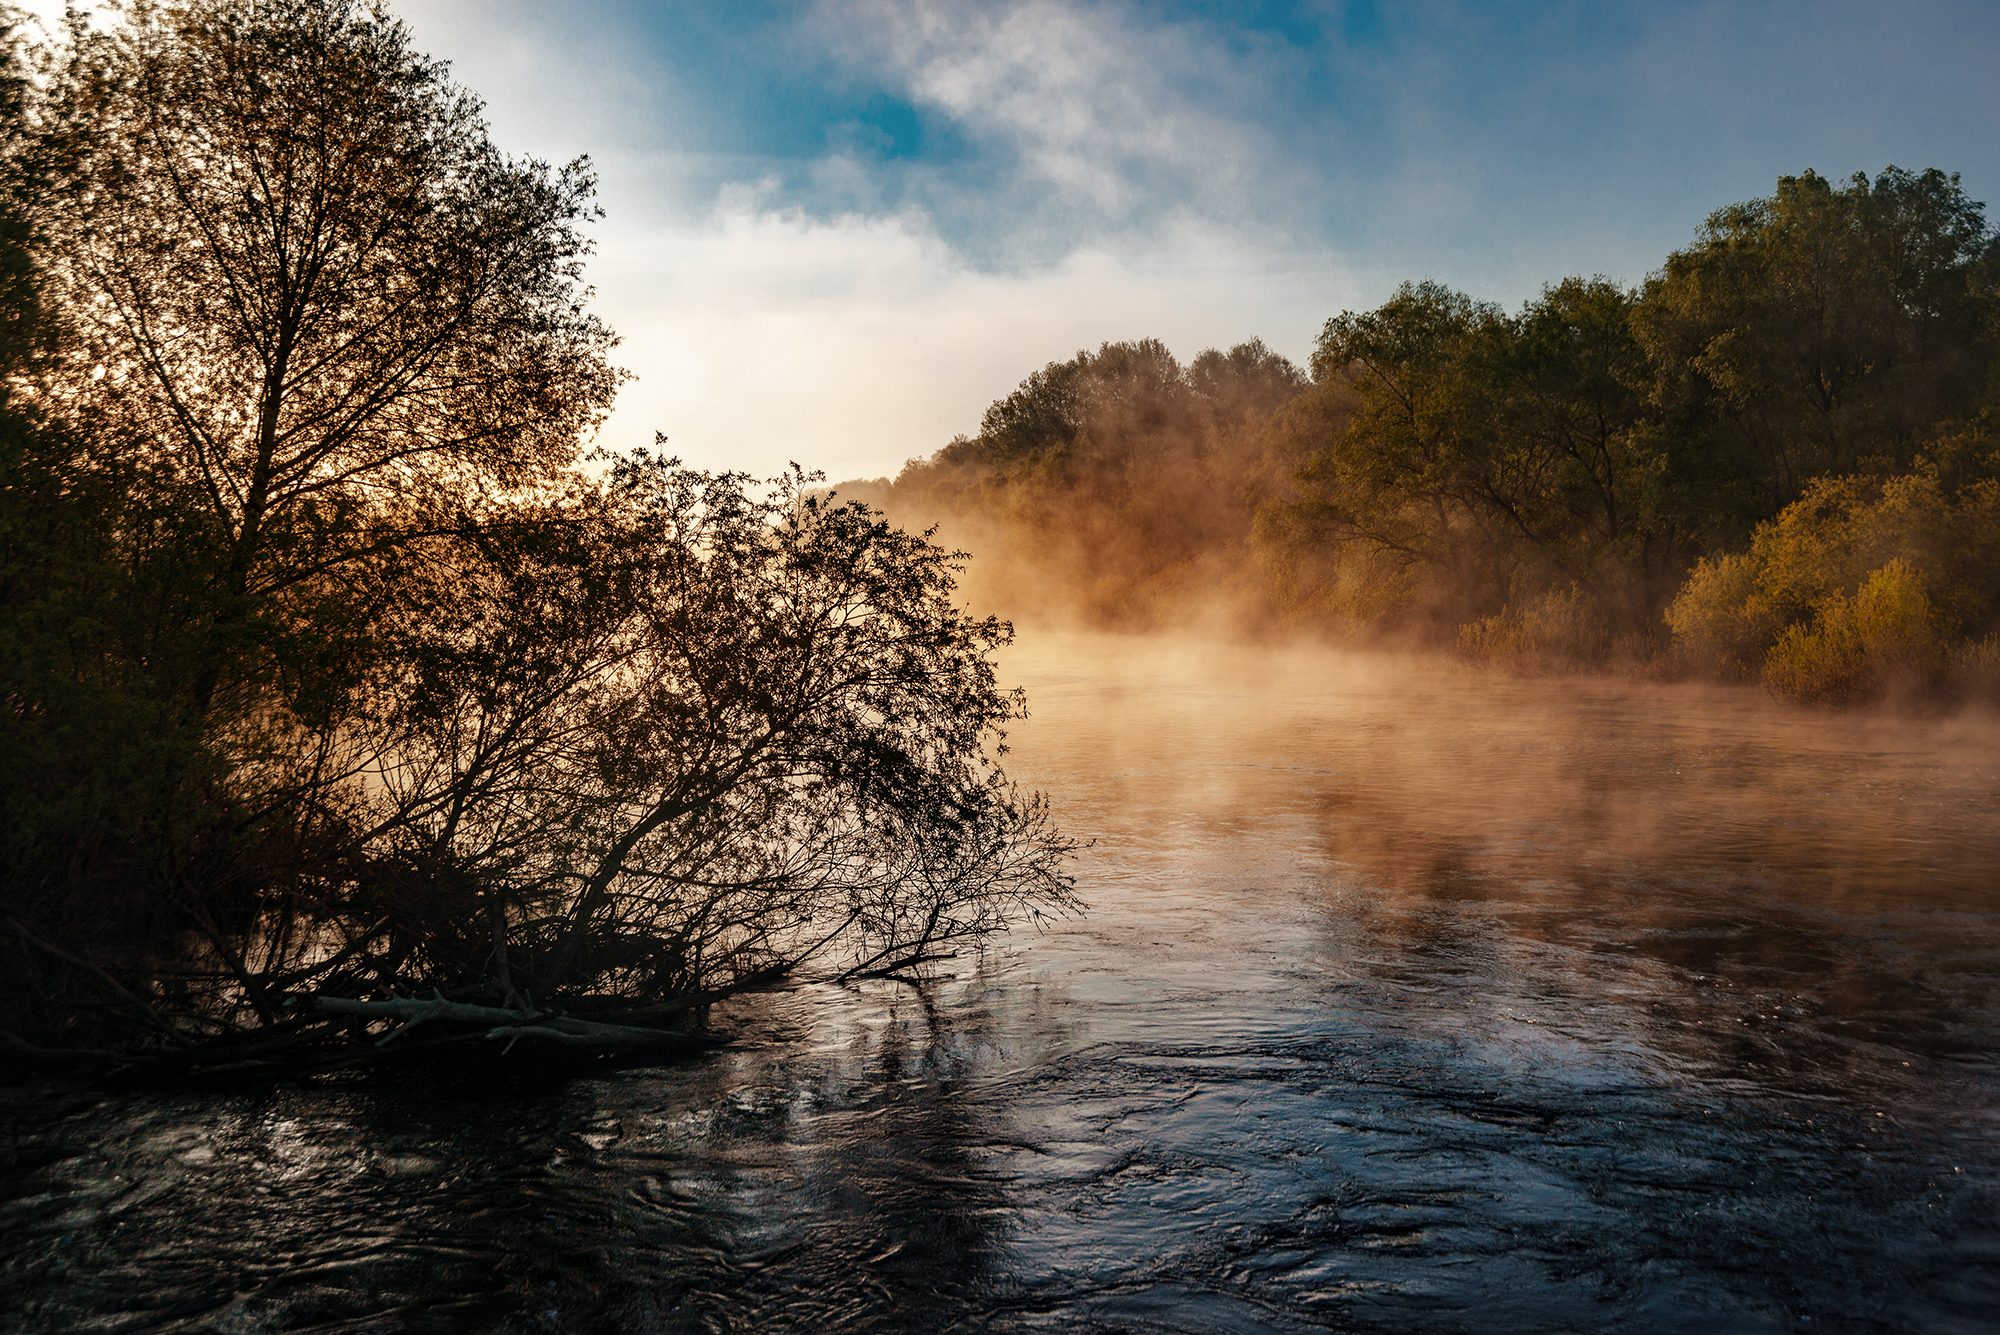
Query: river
(1409, 999)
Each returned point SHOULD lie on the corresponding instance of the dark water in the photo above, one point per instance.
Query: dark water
(1410, 1001)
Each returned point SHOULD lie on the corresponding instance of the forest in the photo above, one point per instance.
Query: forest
(344, 692)
(1775, 460)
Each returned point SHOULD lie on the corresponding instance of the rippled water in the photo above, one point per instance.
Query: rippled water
(1410, 1000)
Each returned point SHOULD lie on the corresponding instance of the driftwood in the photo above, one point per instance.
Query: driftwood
(323, 1035)
(509, 1025)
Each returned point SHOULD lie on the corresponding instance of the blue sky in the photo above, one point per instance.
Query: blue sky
(838, 229)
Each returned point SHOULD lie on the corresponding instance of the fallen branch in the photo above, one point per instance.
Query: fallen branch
(510, 1025)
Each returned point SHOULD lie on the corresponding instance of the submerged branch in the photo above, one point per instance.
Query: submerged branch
(496, 1023)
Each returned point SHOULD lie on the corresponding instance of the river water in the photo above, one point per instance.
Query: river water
(1410, 999)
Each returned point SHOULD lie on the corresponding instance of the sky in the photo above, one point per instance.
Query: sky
(837, 229)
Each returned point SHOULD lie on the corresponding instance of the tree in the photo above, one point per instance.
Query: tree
(422, 706)
(301, 276)
(1822, 330)
(1486, 455)
(1402, 478)
(290, 309)
(297, 311)
(1117, 486)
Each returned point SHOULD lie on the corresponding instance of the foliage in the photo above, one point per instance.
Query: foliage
(1860, 586)
(302, 283)
(1554, 631)
(1822, 330)
(1118, 486)
(326, 668)
(1886, 635)
(1491, 459)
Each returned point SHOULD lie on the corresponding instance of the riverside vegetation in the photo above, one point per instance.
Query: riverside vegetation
(1777, 459)
(341, 696)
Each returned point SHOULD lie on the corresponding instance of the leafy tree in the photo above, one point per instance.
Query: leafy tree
(1402, 478)
(294, 553)
(1489, 458)
(296, 311)
(1118, 486)
(1830, 349)
(649, 744)
(1822, 330)
(1247, 382)
(304, 282)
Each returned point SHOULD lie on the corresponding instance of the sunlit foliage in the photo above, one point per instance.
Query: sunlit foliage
(1863, 585)
(1788, 409)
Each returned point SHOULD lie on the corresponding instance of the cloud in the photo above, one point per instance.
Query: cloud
(1089, 120)
(765, 334)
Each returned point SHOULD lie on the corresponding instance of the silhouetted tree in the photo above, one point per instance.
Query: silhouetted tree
(301, 278)
(406, 701)
(673, 737)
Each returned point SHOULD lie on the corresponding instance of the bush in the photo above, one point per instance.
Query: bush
(1884, 639)
(1721, 620)
(1862, 586)
(1560, 629)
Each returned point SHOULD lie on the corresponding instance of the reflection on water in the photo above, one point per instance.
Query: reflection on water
(1410, 1000)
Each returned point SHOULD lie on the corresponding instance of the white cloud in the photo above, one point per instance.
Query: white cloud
(851, 345)
(1117, 114)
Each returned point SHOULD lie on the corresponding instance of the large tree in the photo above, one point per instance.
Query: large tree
(423, 705)
(298, 271)
(1823, 329)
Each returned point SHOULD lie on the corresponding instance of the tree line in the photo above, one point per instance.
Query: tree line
(343, 694)
(1774, 459)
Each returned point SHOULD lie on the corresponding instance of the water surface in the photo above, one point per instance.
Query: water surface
(1410, 1000)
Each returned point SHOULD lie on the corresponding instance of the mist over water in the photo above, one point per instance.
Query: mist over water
(1409, 999)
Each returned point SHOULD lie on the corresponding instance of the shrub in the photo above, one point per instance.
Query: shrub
(1862, 586)
(1885, 638)
(1558, 629)
(1721, 619)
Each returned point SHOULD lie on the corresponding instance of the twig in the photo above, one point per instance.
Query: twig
(152, 1016)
